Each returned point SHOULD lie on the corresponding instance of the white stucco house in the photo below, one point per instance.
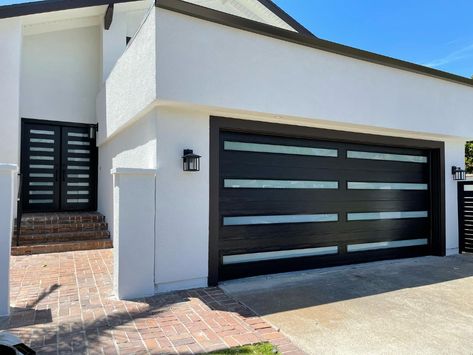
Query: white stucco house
(311, 153)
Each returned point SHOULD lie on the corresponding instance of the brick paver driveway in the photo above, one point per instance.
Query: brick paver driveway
(63, 303)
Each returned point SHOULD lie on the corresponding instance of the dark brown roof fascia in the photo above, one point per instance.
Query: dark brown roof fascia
(283, 15)
(30, 8)
(241, 23)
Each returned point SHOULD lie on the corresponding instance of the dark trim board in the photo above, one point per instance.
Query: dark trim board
(436, 198)
(108, 18)
(304, 39)
(30, 8)
(283, 15)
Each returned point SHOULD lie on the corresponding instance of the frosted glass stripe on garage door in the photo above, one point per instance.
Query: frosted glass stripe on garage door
(467, 187)
(283, 254)
(385, 186)
(278, 219)
(386, 245)
(365, 216)
(279, 149)
(354, 154)
(279, 184)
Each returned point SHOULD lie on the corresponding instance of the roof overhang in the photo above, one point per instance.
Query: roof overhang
(44, 6)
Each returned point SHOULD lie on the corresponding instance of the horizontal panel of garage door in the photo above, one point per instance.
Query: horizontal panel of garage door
(249, 201)
(311, 201)
(250, 165)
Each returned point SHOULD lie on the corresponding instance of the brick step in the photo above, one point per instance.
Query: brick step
(27, 229)
(31, 239)
(61, 247)
(34, 219)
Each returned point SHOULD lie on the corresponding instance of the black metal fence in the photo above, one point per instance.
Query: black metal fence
(465, 216)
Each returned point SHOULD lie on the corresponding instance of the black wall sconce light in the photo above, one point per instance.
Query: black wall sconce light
(190, 161)
(458, 173)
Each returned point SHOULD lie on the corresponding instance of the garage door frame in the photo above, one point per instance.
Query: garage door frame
(223, 124)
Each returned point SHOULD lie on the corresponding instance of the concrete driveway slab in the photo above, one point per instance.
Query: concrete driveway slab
(412, 306)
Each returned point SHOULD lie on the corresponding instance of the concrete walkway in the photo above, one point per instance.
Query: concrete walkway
(412, 306)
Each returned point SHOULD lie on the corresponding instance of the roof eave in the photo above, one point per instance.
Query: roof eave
(38, 7)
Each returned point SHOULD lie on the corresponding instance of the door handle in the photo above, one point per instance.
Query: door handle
(64, 172)
(56, 172)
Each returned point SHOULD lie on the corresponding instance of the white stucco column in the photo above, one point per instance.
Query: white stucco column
(10, 62)
(7, 179)
(454, 156)
(182, 221)
(134, 238)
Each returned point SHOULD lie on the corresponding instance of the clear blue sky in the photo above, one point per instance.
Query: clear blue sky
(436, 33)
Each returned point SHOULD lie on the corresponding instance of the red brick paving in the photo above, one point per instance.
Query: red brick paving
(63, 304)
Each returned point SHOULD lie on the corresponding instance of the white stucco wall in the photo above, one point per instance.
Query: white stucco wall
(134, 147)
(131, 86)
(125, 24)
(61, 75)
(134, 19)
(10, 59)
(217, 66)
(182, 201)
(113, 43)
(454, 156)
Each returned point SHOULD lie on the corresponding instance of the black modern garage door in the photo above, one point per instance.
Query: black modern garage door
(287, 203)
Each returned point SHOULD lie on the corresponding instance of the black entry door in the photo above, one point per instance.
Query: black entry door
(289, 203)
(59, 167)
